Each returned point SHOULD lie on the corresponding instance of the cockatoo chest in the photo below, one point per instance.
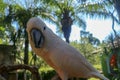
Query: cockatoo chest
(45, 54)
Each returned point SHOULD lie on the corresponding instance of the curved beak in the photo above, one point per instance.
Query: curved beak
(37, 38)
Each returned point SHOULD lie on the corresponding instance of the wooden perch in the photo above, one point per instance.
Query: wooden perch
(9, 68)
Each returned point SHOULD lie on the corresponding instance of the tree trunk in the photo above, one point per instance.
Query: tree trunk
(26, 48)
(66, 27)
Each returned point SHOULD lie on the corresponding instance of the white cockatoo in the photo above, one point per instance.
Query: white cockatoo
(65, 59)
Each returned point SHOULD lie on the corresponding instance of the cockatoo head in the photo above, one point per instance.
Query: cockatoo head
(37, 29)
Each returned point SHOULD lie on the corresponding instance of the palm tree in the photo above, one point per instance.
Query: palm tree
(65, 13)
(20, 12)
(112, 7)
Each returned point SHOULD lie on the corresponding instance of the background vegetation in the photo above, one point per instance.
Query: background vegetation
(14, 15)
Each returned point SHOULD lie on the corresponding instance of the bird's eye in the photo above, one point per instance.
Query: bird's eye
(44, 28)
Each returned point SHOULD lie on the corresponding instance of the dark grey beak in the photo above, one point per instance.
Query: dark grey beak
(37, 38)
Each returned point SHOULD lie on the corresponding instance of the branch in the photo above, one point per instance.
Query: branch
(9, 68)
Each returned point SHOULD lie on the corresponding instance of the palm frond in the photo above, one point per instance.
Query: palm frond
(96, 6)
(95, 14)
(47, 15)
(51, 19)
(80, 22)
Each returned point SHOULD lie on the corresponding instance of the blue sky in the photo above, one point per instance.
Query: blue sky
(100, 28)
